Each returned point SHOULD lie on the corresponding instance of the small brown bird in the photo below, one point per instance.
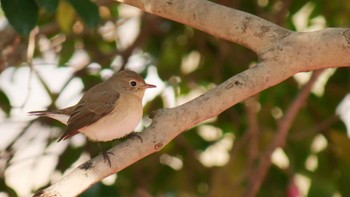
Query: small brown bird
(109, 110)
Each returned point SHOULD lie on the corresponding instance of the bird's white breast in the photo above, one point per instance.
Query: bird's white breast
(119, 123)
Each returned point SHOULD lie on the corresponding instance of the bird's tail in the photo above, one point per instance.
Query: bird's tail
(51, 114)
(39, 113)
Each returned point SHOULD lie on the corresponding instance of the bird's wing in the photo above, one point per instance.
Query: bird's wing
(96, 103)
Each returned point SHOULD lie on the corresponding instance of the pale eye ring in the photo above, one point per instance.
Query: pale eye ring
(133, 83)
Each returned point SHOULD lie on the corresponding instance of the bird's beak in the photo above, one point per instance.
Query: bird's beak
(149, 86)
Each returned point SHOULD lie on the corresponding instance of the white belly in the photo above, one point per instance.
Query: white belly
(119, 123)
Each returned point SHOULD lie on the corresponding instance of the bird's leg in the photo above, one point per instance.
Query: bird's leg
(105, 155)
(134, 134)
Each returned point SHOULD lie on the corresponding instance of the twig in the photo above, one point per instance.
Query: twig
(30, 54)
(282, 13)
(253, 133)
(280, 138)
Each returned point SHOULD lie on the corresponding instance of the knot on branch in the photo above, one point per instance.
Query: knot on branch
(169, 2)
(86, 166)
(158, 146)
(347, 36)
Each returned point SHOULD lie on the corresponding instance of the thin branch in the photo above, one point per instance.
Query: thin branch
(321, 128)
(280, 138)
(251, 106)
(220, 175)
(30, 54)
(283, 12)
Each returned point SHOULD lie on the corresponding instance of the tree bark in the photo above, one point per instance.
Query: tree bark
(281, 52)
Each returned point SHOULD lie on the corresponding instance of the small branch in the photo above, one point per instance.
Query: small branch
(12, 50)
(30, 53)
(283, 12)
(321, 128)
(253, 133)
(220, 176)
(280, 138)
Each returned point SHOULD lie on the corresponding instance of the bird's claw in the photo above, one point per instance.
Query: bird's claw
(106, 157)
(133, 134)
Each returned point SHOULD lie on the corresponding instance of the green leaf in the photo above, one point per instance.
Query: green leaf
(21, 14)
(87, 10)
(65, 16)
(5, 104)
(49, 5)
(114, 9)
(66, 52)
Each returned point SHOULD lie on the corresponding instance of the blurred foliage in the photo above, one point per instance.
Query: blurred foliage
(72, 26)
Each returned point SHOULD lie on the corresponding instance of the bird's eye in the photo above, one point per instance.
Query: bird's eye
(133, 83)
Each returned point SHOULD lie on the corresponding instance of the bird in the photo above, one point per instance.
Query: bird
(109, 110)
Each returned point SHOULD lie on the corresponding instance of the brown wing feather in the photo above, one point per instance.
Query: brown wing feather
(96, 103)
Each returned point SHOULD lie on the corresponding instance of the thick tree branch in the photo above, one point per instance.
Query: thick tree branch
(282, 54)
(233, 25)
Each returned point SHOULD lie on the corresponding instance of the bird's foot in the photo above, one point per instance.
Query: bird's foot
(106, 158)
(133, 134)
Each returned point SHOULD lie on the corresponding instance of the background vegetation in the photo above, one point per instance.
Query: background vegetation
(217, 157)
